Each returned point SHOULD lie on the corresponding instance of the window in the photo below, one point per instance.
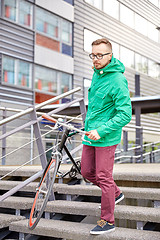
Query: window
(66, 37)
(19, 11)
(65, 85)
(141, 64)
(47, 23)
(140, 24)
(49, 80)
(24, 74)
(8, 70)
(95, 3)
(87, 84)
(45, 79)
(126, 16)
(66, 32)
(16, 72)
(153, 69)
(57, 29)
(69, 1)
(127, 57)
(111, 8)
(10, 9)
(25, 13)
(89, 37)
(115, 49)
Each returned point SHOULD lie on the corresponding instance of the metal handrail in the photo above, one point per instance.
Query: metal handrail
(38, 106)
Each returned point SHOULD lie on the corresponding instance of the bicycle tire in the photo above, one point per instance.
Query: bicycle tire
(37, 210)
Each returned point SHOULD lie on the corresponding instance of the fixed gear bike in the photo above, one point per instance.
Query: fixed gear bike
(44, 189)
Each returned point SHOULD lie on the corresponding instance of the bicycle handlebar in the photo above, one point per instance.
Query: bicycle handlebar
(51, 119)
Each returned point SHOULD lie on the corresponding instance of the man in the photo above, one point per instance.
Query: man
(109, 109)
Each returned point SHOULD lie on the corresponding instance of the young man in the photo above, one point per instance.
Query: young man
(109, 109)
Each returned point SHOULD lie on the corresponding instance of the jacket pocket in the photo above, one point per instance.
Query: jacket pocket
(99, 100)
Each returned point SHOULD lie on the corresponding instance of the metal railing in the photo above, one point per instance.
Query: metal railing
(34, 122)
(126, 154)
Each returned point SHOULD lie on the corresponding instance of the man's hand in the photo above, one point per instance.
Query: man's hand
(93, 134)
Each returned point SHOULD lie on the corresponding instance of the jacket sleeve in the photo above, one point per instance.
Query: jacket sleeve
(122, 103)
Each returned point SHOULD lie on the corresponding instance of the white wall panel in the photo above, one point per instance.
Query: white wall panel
(58, 7)
(52, 59)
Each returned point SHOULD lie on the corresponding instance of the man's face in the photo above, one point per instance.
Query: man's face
(101, 49)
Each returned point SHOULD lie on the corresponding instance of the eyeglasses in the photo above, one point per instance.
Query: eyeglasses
(98, 56)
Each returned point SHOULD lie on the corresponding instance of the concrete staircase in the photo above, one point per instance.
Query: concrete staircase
(77, 208)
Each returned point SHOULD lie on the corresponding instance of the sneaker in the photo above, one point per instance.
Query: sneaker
(102, 227)
(117, 199)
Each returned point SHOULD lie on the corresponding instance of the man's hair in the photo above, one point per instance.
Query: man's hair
(103, 40)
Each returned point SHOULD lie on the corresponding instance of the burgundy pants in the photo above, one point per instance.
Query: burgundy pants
(97, 167)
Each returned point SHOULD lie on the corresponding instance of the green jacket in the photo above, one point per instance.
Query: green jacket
(109, 104)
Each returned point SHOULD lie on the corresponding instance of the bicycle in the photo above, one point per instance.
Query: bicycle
(50, 172)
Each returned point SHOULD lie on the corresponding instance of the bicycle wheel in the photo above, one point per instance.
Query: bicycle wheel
(42, 192)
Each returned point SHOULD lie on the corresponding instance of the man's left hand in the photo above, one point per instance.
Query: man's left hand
(93, 134)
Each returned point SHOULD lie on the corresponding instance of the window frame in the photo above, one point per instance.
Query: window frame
(17, 14)
(16, 73)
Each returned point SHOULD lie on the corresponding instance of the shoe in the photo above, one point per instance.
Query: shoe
(117, 199)
(102, 227)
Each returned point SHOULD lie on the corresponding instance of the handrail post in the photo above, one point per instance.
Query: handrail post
(4, 113)
(37, 133)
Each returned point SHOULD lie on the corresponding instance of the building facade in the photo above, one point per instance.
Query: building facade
(44, 47)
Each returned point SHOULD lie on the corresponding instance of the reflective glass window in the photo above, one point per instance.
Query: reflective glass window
(66, 32)
(141, 63)
(115, 49)
(45, 79)
(25, 13)
(24, 74)
(127, 57)
(10, 9)
(141, 24)
(65, 85)
(8, 65)
(126, 16)
(66, 82)
(47, 23)
(69, 1)
(16, 72)
(153, 69)
(54, 27)
(95, 3)
(111, 8)
(89, 37)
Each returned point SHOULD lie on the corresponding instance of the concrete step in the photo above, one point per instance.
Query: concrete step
(92, 190)
(80, 231)
(17, 203)
(6, 219)
(86, 208)
(92, 209)
(127, 172)
(88, 190)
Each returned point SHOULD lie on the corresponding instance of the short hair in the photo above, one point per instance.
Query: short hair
(103, 40)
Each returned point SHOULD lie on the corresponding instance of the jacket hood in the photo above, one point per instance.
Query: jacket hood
(114, 66)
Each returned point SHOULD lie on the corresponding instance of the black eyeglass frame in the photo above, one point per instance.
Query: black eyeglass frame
(91, 54)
